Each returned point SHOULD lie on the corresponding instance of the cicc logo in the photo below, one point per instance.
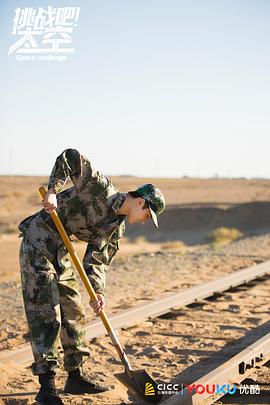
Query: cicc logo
(149, 389)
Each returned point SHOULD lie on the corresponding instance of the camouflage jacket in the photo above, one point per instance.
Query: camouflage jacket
(87, 210)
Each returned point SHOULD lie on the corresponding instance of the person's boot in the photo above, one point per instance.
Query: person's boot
(77, 383)
(48, 394)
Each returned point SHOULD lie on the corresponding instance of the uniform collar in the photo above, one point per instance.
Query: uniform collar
(118, 202)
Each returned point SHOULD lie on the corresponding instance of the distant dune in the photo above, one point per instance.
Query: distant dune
(195, 206)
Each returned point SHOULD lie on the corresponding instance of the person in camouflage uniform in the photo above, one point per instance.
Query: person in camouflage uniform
(94, 211)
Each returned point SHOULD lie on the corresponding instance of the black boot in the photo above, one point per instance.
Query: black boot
(48, 394)
(77, 383)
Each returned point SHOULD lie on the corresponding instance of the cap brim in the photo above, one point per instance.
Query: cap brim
(154, 217)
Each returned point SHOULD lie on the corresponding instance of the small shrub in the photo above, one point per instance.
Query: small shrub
(174, 244)
(223, 235)
(140, 239)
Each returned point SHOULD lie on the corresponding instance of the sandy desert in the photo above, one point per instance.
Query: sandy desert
(150, 264)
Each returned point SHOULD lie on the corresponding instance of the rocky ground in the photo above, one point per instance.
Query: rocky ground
(141, 277)
(168, 347)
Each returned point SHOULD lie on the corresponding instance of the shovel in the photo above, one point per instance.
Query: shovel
(138, 382)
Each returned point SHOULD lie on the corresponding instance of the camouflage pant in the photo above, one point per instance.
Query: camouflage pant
(53, 310)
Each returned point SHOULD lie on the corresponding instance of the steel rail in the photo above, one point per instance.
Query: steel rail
(232, 371)
(155, 307)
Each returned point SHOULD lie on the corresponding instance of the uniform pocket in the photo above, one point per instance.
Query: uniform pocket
(113, 248)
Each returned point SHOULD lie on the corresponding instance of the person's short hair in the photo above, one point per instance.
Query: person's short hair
(135, 194)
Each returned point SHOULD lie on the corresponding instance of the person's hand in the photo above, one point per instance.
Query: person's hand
(99, 304)
(50, 201)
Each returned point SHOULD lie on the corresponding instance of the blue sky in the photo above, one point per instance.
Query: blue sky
(154, 88)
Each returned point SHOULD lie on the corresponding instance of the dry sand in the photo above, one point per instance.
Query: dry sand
(166, 347)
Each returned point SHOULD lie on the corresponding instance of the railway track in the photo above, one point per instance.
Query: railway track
(215, 384)
(168, 311)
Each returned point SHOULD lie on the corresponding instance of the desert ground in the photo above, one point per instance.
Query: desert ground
(183, 252)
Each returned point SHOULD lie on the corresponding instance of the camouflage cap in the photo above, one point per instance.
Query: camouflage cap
(154, 198)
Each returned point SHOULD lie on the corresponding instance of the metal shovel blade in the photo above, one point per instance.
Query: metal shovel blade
(140, 384)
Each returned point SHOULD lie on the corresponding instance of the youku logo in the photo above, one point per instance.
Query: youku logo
(218, 389)
(212, 389)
